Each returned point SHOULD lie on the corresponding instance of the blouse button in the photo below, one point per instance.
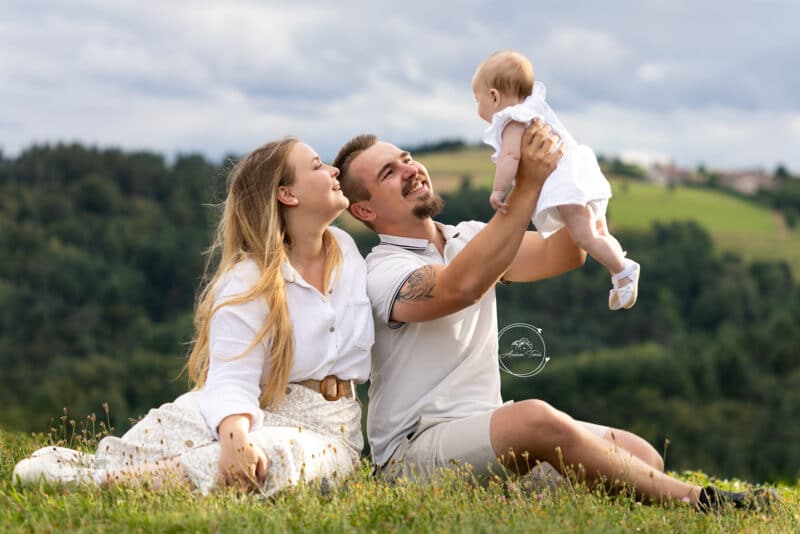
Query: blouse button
(332, 329)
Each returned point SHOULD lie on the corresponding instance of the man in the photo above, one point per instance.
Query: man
(435, 383)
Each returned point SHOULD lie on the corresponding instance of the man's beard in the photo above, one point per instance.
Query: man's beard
(430, 208)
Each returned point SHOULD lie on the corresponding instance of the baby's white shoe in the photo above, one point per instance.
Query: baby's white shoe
(625, 296)
(57, 465)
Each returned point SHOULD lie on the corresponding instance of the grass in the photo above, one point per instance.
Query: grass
(752, 231)
(448, 168)
(364, 504)
(636, 205)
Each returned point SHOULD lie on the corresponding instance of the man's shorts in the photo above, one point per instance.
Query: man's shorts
(460, 443)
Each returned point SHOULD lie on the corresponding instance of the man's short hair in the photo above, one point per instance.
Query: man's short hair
(353, 186)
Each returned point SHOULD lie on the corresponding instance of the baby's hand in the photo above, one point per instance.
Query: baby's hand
(496, 200)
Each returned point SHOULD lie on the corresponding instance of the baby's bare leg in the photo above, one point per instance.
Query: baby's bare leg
(581, 224)
(602, 229)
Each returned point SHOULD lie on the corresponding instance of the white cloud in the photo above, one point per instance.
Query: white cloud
(575, 47)
(220, 77)
(651, 72)
(794, 124)
(717, 136)
(645, 158)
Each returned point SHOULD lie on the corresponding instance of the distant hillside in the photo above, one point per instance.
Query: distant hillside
(736, 224)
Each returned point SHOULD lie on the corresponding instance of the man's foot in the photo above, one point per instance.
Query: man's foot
(712, 498)
(56, 465)
(626, 286)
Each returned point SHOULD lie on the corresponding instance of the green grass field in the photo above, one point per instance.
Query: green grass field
(363, 505)
(448, 168)
(738, 225)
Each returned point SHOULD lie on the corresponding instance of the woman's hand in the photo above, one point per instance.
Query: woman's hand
(241, 464)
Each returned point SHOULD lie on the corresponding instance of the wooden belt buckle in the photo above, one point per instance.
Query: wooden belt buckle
(328, 384)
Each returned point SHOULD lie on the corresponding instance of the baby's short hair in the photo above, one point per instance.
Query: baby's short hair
(509, 72)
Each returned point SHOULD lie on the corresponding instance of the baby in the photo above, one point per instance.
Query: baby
(576, 194)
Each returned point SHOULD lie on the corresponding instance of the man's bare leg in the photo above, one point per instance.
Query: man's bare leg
(636, 446)
(550, 435)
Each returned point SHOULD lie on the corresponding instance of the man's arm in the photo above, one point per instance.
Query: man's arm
(434, 291)
(539, 258)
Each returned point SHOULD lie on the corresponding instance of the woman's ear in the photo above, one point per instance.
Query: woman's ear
(287, 197)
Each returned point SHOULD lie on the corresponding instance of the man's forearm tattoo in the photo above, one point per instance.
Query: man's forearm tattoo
(419, 285)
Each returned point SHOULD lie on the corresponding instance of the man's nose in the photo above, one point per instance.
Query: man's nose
(409, 171)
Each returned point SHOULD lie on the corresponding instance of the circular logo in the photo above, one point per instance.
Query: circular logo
(522, 350)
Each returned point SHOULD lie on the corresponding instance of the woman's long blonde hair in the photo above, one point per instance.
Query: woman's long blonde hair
(253, 227)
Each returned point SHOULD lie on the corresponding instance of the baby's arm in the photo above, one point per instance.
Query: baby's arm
(507, 163)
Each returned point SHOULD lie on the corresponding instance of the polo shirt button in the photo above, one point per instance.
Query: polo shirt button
(332, 329)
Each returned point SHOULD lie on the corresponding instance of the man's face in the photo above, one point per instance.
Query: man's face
(399, 186)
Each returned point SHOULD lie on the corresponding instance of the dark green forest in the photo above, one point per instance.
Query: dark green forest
(103, 252)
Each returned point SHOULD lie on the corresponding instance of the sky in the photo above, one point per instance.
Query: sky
(712, 82)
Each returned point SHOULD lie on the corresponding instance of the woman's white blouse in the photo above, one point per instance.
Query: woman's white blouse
(333, 335)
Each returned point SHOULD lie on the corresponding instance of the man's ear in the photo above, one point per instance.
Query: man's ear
(287, 197)
(362, 211)
(495, 95)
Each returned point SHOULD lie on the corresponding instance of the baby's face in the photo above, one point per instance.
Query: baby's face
(484, 98)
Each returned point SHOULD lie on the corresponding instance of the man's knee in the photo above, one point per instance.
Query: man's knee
(637, 446)
(657, 462)
(549, 423)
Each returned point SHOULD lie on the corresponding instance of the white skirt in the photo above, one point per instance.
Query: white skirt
(305, 439)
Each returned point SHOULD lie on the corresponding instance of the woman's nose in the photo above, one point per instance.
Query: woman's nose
(334, 172)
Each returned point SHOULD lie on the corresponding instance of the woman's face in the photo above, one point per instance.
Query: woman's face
(315, 188)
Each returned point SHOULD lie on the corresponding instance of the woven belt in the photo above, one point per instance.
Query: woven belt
(331, 387)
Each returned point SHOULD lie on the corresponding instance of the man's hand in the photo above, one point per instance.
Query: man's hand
(540, 152)
(241, 464)
(434, 291)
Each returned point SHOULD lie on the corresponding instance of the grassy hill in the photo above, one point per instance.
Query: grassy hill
(364, 504)
(744, 227)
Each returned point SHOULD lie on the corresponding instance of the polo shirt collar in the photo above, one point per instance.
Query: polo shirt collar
(413, 243)
(289, 274)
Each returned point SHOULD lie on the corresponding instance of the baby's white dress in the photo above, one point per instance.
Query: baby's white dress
(577, 178)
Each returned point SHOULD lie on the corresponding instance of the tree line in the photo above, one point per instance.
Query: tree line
(103, 253)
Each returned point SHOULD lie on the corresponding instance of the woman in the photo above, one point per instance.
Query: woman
(283, 333)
